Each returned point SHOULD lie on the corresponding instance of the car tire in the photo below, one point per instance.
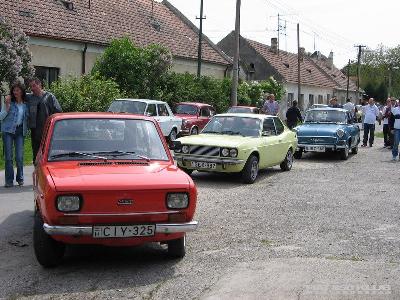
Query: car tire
(287, 164)
(194, 131)
(177, 248)
(48, 251)
(250, 170)
(344, 153)
(172, 135)
(298, 154)
(354, 150)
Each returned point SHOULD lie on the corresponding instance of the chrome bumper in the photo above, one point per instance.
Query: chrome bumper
(334, 147)
(217, 160)
(87, 230)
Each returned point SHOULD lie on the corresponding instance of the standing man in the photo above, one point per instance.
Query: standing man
(370, 112)
(293, 115)
(349, 106)
(386, 112)
(333, 103)
(395, 126)
(41, 105)
(271, 107)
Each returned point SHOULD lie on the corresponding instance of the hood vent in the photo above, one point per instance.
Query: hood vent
(108, 163)
(89, 164)
(131, 163)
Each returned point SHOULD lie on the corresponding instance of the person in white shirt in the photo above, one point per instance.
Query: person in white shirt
(371, 112)
(396, 131)
(350, 107)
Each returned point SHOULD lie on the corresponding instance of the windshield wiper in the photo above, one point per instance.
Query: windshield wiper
(117, 153)
(77, 154)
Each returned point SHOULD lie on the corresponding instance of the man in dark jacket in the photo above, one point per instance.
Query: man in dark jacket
(293, 115)
(41, 105)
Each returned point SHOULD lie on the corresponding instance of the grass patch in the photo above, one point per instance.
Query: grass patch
(379, 134)
(27, 152)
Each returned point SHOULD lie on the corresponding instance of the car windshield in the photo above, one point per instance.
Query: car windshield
(84, 139)
(325, 116)
(231, 125)
(238, 110)
(126, 106)
(186, 109)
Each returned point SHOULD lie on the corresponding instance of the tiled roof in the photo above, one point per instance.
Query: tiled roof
(286, 65)
(109, 19)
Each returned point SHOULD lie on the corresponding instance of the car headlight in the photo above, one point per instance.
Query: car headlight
(340, 133)
(185, 149)
(233, 153)
(225, 152)
(69, 203)
(177, 200)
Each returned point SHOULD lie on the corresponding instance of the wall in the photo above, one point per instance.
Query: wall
(181, 65)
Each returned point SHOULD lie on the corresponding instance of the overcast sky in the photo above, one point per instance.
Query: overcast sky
(335, 25)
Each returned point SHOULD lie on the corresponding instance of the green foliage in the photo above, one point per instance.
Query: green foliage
(140, 72)
(87, 93)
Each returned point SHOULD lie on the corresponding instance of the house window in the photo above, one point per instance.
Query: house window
(290, 98)
(46, 74)
(310, 100)
(320, 99)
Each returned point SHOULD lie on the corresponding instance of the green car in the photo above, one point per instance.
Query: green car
(238, 143)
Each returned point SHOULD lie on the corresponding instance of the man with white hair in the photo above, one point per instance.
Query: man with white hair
(371, 112)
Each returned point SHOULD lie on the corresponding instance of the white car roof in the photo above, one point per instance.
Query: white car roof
(244, 115)
(148, 101)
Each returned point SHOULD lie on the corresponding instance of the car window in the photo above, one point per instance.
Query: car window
(151, 110)
(279, 126)
(231, 125)
(186, 109)
(205, 112)
(162, 110)
(269, 127)
(126, 106)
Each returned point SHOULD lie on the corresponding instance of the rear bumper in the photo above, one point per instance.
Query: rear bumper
(87, 230)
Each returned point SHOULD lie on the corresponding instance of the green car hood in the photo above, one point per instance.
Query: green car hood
(220, 140)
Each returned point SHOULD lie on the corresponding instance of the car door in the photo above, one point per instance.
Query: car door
(164, 119)
(353, 129)
(283, 140)
(204, 117)
(270, 144)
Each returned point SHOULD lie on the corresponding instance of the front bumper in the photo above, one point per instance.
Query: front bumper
(331, 147)
(88, 230)
(218, 160)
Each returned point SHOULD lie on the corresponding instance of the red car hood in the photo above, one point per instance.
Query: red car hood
(72, 177)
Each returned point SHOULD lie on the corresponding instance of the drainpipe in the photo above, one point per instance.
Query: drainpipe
(84, 59)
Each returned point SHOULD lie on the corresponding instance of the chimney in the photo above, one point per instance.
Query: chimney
(302, 52)
(274, 45)
(330, 60)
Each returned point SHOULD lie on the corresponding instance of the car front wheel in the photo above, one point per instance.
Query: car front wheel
(177, 248)
(344, 153)
(354, 150)
(49, 252)
(250, 170)
(287, 164)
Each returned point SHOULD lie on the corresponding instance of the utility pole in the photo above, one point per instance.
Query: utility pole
(201, 18)
(300, 101)
(235, 69)
(359, 70)
(279, 30)
(348, 80)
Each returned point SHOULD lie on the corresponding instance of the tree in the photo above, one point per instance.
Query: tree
(139, 72)
(15, 57)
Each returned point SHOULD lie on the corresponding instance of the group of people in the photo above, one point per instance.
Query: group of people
(391, 126)
(21, 112)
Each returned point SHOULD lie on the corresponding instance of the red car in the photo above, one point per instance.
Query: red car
(194, 115)
(243, 110)
(108, 179)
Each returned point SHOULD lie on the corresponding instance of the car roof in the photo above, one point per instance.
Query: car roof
(99, 115)
(142, 100)
(329, 108)
(243, 106)
(253, 116)
(195, 104)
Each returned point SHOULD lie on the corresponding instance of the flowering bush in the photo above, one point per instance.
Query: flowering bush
(15, 57)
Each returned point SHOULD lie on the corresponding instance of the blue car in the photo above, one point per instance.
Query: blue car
(328, 129)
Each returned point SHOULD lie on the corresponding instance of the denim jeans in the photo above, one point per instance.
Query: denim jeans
(369, 129)
(9, 142)
(396, 140)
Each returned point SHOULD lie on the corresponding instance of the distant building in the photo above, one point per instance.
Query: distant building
(66, 36)
(320, 79)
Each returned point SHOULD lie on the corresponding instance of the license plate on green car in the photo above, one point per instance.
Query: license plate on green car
(203, 165)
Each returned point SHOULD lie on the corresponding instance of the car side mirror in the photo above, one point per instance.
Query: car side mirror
(175, 145)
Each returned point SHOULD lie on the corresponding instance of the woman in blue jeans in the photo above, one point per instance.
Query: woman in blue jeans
(14, 127)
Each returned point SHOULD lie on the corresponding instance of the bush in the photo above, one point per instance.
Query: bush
(85, 94)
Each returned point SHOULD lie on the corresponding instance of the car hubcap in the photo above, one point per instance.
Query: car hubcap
(254, 170)
(289, 159)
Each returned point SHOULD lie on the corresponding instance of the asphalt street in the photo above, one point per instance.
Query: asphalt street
(328, 229)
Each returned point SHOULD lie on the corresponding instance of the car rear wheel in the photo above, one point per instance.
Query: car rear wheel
(177, 248)
(344, 153)
(172, 135)
(287, 164)
(298, 154)
(194, 131)
(49, 252)
(250, 170)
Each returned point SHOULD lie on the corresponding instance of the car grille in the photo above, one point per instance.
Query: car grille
(317, 140)
(204, 150)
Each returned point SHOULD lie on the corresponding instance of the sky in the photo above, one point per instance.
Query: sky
(335, 25)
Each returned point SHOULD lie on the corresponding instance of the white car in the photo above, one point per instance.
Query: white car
(159, 110)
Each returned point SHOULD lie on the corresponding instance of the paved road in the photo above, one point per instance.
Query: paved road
(327, 229)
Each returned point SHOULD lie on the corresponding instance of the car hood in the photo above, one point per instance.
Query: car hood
(318, 129)
(73, 176)
(224, 140)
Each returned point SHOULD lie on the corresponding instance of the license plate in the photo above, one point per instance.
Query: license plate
(122, 231)
(203, 165)
(315, 148)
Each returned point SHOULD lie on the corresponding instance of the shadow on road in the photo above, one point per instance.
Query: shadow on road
(16, 190)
